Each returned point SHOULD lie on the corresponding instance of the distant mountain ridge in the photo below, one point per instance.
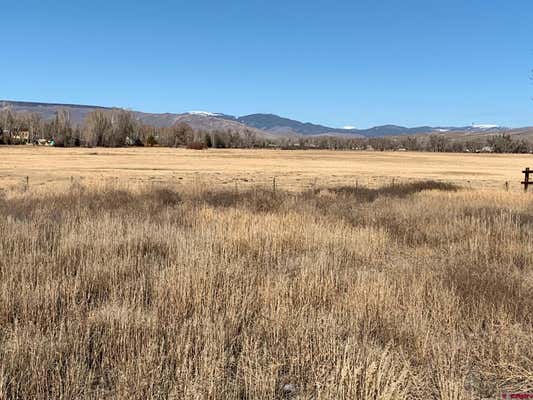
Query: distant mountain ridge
(266, 125)
(275, 123)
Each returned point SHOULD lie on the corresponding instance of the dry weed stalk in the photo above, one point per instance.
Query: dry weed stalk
(409, 291)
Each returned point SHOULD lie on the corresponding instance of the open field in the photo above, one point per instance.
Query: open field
(292, 169)
(139, 289)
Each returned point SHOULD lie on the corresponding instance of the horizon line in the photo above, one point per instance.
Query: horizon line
(434, 126)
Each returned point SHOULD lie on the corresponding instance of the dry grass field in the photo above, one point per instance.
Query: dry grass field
(294, 170)
(188, 289)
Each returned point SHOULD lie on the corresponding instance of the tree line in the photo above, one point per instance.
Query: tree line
(117, 128)
(113, 128)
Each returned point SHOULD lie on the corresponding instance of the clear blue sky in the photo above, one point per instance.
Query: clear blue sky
(360, 63)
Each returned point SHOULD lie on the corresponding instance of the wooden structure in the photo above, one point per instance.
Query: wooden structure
(526, 180)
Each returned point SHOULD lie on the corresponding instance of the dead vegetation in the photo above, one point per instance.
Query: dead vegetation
(296, 170)
(417, 291)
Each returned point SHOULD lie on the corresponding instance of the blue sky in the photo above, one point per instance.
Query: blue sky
(358, 63)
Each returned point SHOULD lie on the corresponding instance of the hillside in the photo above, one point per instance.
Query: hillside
(263, 125)
(78, 113)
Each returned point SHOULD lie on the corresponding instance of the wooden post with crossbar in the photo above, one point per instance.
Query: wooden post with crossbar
(526, 181)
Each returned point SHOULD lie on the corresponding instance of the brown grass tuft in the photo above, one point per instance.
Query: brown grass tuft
(407, 291)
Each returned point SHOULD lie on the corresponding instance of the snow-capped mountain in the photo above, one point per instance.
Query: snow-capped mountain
(261, 124)
(485, 126)
(205, 113)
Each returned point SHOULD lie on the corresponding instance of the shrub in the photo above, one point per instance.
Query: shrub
(151, 141)
(197, 146)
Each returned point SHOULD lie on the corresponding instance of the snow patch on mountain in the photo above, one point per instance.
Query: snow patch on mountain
(485, 126)
(205, 113)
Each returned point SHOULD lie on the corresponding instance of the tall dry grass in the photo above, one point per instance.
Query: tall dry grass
(414, 291)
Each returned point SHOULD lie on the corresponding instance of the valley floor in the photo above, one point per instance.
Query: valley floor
(293, 170)
(143, 285)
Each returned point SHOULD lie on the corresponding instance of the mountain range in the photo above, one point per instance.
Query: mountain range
(266, 125)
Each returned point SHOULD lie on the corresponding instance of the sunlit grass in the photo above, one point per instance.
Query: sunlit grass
(143, 292)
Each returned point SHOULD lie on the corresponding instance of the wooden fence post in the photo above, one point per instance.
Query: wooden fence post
(526, 181)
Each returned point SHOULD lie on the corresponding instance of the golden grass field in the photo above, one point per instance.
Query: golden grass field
(292, 169)
(130, 289)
